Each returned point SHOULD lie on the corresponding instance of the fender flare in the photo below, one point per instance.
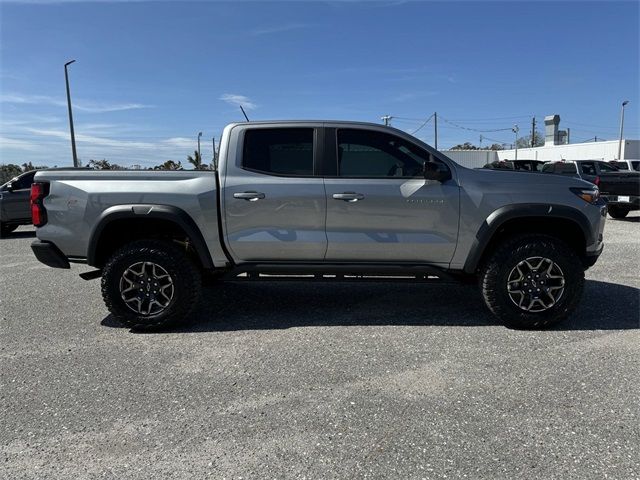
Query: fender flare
(509, 212)
(148, 211)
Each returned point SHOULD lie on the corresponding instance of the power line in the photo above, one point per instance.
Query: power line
(423, 124)
(474, 129)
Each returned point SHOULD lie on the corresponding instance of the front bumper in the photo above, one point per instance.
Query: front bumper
(632, 202)
(49, 254)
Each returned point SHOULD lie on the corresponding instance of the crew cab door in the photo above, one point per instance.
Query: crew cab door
(274, 204)
(380, 208)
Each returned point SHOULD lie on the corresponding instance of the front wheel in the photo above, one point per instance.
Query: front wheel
(150, 284)
(532, 281)
(617, 212)
(6, 228)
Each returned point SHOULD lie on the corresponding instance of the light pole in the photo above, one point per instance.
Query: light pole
(73, 136)
(624, 104)
(199, 157)
(515, 130)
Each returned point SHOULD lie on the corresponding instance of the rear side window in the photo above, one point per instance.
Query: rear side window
(566, 168)
(279, 151)
(363, 153)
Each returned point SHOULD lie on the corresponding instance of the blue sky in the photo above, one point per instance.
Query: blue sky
(150, 75)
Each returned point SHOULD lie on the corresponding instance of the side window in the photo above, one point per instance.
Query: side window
(24, 182)
(588, 168)
(605, 167)
(279, 151)
(619, 165)
(635, 165)
(364, 153)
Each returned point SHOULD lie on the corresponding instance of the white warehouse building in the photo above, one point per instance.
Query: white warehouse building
(554, 148)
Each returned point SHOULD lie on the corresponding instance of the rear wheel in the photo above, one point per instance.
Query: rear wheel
(617, 212)
(532, 281)
(6, 229)
(150, 284)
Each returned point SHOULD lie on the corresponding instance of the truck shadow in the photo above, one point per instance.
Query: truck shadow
(19, 234)
(281, 305)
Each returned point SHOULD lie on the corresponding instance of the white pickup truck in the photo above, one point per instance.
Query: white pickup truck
(336, 200)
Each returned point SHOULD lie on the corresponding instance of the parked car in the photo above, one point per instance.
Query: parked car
(14, 203)
(631, 165)
(524, 165)
(619, 188)
(330, 200)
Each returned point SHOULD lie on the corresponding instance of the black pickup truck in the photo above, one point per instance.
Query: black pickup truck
(620, 189)
(14, 203)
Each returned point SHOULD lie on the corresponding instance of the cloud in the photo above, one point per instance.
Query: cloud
(90, 107)
(238, 100)
(180, 142)
(279, 29)
(405, 97)
(16, 144)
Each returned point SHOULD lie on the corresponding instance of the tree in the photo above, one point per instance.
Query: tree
(464, 146)
(104, 165)
(169, 165)
(525, 142)
(196, 161)
(9, 171)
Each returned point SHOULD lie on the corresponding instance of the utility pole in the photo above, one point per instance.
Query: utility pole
(481, 141)
(515, 130)
(533, 131)
(199, 157)
(435, 129)
(568, 136)
(624, 104)
(73, 135)
(386, 119)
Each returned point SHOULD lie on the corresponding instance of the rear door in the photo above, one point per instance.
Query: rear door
(274, 203)
(380, 208)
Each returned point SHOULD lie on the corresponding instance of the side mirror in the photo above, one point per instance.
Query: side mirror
(11, 186)
(433, 171)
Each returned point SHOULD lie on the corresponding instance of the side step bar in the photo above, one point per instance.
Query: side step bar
(340, 272)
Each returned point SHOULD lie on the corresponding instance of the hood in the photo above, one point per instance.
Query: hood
(524, 178)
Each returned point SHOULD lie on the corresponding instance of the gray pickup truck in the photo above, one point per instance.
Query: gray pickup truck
(324, 200)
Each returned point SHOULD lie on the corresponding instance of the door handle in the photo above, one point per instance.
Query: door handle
(348, 196)
(250, 196)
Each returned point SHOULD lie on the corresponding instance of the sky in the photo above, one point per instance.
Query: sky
(150, 75)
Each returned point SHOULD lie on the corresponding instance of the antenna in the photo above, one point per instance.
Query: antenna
(244, 113)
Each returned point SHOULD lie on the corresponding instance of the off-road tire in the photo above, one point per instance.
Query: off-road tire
(617, 212)
(6, 229)
(184, 274)
(495, 273)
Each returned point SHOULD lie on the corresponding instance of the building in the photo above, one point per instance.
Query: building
(555, 148)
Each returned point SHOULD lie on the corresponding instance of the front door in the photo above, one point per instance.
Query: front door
(274, 205)
(380, 208)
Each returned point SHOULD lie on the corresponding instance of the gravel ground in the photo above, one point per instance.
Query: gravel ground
(299, 380)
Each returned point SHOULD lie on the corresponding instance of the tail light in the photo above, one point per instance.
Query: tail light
(38, 212)
(597, 181)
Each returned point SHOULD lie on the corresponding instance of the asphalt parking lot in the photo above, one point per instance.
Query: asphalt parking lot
(300, 380)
